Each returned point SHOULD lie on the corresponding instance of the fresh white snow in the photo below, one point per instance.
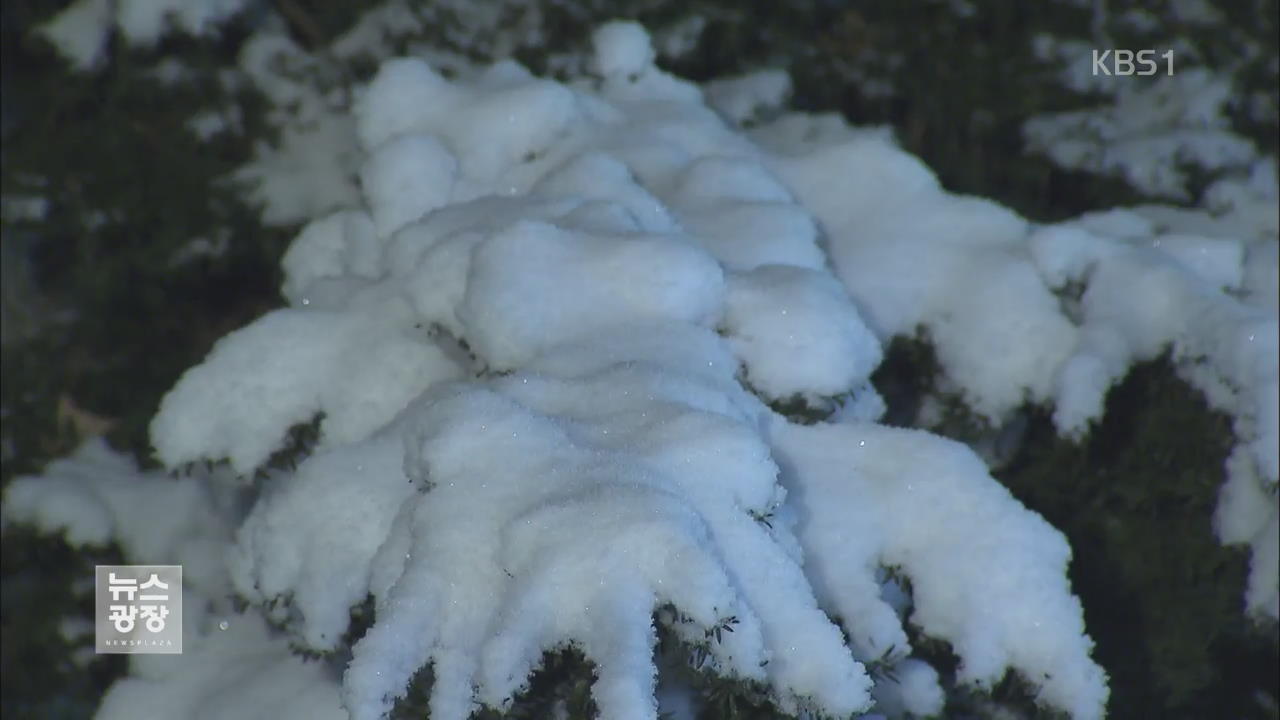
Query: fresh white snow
(540, 322)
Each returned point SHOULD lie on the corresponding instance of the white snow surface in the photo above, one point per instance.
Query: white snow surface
(1201, 285)
(81, 31)
(987, 574)
(538, 318)
(233, 667)
(797, 332)
(313, 169)
(96, 497)
(914, 256)
(249, 673)
(284, 369)
(585, 243)
(1058, 314)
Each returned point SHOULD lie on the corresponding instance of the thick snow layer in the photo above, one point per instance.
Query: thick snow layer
(987, 574)
(621, 50)
(1059, 314)
(796, 332)
(406, 178)
(253, 675)
(283, 369)
(583, 282)
(96, 497)
(585, 243)
(538, 319)
(915, 256)
(335, 247)
(1201, 285)
(317, 529)
(618, 507)
(532, 316)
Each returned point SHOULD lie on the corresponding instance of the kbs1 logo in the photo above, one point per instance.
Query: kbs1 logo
(1128, 62)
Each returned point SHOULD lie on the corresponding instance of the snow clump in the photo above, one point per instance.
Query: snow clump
(540, 349)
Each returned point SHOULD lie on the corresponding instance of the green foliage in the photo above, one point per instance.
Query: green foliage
(560, 687)
(40, 677)
(959, 87)
(1162, 598)
(127, 187)
(691, 664)
(805, 410)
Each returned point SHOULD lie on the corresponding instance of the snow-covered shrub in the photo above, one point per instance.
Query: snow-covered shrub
(81, 31)
(1152, 133)
(1163, 135)
(1200, 282)
(541, 352)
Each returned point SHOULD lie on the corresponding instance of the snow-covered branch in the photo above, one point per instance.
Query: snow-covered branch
(542, 341)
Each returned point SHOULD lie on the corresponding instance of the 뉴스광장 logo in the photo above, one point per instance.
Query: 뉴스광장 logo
(138, 609)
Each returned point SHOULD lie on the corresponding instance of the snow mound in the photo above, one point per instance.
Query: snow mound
(534, 341)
